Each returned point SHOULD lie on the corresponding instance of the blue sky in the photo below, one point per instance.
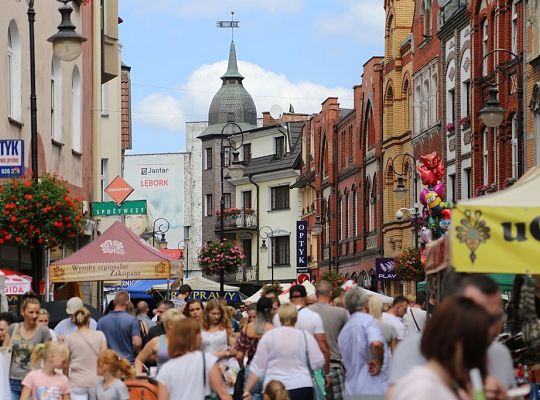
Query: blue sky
(290, 51)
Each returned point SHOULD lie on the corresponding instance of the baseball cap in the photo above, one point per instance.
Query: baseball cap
(73, 305)
(297, 291)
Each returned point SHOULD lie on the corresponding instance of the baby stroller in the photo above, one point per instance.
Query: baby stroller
(142, 388)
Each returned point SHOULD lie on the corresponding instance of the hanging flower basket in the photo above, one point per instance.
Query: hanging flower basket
(409, 265)
(272, 288)
(41, 211)
(228, 212)
(333, 278)
(248, 211)
(217, 256)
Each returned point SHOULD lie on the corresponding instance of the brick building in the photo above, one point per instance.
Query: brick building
(497, 25)
(532, 89)
(455, 98)
(426, 135)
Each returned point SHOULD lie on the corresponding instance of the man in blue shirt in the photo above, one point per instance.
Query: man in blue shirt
(121, 329)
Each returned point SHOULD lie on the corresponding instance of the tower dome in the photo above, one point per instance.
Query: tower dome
(232, 97)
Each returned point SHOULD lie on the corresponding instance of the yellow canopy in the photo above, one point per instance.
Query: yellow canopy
(499, 232)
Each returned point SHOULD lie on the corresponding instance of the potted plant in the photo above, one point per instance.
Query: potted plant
(333, 278)
(38, 213)
(465, 122)
(225, 256)
(450, 127)
(272, 288)
(249, 211)
(409, 265)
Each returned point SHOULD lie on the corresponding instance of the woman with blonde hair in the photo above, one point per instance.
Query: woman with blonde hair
(199, 372)
(84, 346)
(22, 338)
(113, 368)
(286, 354)
(389, 333)
(217, 334)
(158, 346)
(43, 320)
(275, 390)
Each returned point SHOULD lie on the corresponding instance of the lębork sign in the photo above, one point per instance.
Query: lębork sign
(11, 158)
(384, 268)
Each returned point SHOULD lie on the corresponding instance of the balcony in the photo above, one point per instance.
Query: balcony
(241, 220)
(244, 274)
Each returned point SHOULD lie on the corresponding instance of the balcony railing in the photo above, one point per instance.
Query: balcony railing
(241, 220)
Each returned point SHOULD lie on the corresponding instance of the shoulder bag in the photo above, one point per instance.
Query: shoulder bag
(212, 395)
(7, 351)
(319, 392)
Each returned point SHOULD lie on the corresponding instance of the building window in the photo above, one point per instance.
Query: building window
(246, 199)
(342, 149)
(468, 183)
(452, 104)
(76, 110)
(350, 144)
(347, 215)
(355, 213)
(340, 218)
(452, 188)
(14, 73)
(246, 153)
(485, 45)
(515, 27)
(467, 98)
(485, 156)
(425, 105)
(280, 198)
(425, 13)
(515, 148)
(433, 91)
(104, 177)
(104, 99)
(56, 100)
(279, 146)
(281, 254)
(417, 109)
(208, 206)
(208, 158)
(226, 156)
(227, 203)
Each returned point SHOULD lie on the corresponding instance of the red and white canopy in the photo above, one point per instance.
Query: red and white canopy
(15, 283)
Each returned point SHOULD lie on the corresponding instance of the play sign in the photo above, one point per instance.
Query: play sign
(119, 190)
(385, 269)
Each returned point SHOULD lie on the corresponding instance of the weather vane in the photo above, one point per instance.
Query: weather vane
(229, 24)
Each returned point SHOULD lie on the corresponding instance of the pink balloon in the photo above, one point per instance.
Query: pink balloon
(422, 196)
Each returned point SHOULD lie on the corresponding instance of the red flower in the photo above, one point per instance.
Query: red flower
(28, 183)
(7, 237)
(18, 239)
(28, 196)
(6, 212)
(13, 218)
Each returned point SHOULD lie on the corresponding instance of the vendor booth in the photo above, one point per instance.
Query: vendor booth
(205, 289)
(15, 283)
(117, 255)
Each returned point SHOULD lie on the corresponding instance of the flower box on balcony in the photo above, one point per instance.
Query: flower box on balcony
(450, 127)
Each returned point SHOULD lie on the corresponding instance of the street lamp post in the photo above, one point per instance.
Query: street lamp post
(264, 233)
(236, 171)
(67, 46)
(414, 212)
(318, 228)
(163, 228)
(185, 247)
(492, 114)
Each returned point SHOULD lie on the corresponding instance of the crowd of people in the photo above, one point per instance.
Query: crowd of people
(337, 344)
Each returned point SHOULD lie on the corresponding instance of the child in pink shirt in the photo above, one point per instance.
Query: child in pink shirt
(45, 383)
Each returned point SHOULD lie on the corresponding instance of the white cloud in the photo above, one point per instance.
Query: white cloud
(266, 87)
(196, 8)
(363, 20)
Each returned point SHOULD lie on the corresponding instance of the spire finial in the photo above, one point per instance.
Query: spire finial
(229, 24)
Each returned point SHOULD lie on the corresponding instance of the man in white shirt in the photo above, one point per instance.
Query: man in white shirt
(395, 314)
(67, 326)
(415, 318)
(309, 321)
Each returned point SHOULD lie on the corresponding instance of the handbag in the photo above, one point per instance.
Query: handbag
(319, 392)
(7, 351)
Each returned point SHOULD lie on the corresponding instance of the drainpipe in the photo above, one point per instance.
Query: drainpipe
(250, 177)
(524, 84)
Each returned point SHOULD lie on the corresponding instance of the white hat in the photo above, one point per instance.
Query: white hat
(73, 305)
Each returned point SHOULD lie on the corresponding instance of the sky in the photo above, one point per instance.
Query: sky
(295, 52)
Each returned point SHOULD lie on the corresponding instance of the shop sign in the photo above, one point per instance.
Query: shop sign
(11, 158)
(110, 209)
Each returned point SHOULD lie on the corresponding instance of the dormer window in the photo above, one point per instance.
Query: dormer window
(279, 146)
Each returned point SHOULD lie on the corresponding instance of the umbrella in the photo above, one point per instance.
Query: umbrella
(57, 311)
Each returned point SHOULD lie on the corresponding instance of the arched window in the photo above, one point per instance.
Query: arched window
(56, 100)
(408, 105)
(346, 232)
(76, 111)
(369, 128)
(340, 217)
(417, 109)
(354, 212)
(425, 104)
(14, 73)
(390, 38)
(373, 203)
(485, 45)
(425, 14)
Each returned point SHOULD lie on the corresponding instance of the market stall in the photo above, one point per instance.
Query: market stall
(205, 289)
(15, 283)
(117, 255)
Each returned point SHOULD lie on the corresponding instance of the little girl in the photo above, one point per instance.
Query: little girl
(112, 368)
(275, 390)
(45, 382)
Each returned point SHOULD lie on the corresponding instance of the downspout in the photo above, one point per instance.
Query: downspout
(250, 177)
(524, 84)
(381, 165)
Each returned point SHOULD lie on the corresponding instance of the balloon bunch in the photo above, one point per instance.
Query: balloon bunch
(433, 197)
